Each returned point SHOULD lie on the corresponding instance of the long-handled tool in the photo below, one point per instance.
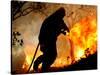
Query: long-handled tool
(33, 58)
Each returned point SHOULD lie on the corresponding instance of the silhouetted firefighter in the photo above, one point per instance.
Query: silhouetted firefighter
(51, 28)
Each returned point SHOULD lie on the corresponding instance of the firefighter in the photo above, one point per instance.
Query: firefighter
(51, 28)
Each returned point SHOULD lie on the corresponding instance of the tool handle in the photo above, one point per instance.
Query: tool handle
(33, 58)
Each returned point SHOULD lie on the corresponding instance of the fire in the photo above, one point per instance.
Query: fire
(80, 53)
(83, 36)
(83, 42)
(28, 59)
(27, 62)
(29, 51)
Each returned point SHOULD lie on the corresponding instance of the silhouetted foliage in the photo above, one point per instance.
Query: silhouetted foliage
(15, 39)
(18, 9)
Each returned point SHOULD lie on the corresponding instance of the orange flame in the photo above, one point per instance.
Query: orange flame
(83, 35)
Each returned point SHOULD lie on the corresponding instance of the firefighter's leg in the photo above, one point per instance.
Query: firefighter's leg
(37, 62)
(47, 62)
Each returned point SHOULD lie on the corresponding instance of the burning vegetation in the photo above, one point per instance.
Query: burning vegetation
(83, 38)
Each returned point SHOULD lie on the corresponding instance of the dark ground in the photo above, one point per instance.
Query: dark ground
(89, 63)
